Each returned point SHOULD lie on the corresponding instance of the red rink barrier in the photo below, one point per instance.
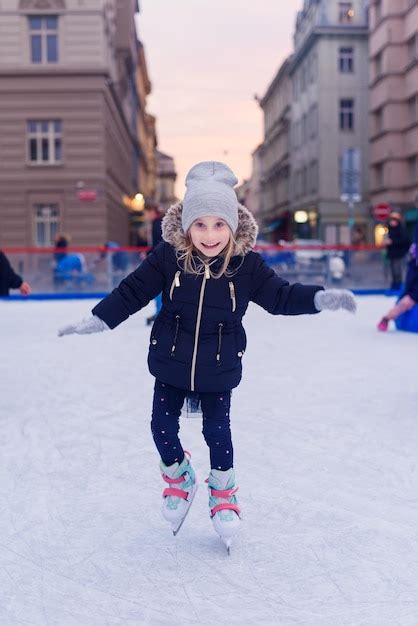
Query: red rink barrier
(95, 269)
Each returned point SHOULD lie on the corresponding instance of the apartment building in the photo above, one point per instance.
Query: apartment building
(328, 115)
(393, 61)
(69, 150)
(274, 158)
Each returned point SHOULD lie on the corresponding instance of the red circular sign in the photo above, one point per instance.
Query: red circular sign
(381, 211)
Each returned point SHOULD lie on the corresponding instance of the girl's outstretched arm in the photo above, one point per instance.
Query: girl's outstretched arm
(133, 293)
(279, 297)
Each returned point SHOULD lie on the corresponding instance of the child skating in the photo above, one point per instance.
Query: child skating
(409, 297)
(207, 273)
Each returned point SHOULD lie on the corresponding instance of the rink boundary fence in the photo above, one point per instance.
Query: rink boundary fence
(99, 296)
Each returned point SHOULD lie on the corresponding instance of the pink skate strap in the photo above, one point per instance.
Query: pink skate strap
(226, 493)
(222, 507)
(173, 480)
(178, 493)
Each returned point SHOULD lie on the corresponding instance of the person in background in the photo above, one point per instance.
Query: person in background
(117, 261)
(397, 245)
(9, 279)
(154, 216)
(409, 297)
(61, 242)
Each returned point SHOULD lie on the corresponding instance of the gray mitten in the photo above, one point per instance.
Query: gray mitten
(333, 299)
(92, 324)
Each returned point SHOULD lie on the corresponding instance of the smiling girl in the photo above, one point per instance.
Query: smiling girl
(207, 273)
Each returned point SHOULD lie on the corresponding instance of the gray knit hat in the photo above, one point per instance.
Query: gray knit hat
(210, 192)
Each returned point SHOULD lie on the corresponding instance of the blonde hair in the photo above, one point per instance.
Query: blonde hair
(193, 265)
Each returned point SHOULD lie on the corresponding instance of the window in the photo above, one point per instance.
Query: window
(379, 175)
(304, 180)
(413, 169)
(295, 87)
(378, 116)
(413, 109)
(378, 10)
(46, 224)
(304, 129)
(44, 39)
(313, 124)
(303, 78)
(346, 60)
(296, 127)
(347, 114)
(313, 176)
(378, 65)
(345, 12)
(44, 142)
(412, 49)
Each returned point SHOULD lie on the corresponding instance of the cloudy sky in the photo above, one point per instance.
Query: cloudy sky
(206, 60)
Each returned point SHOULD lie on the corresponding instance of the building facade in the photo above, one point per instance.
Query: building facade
(166, 179)
(394, 105)
(69, 149)
(274, 158)
(329, 116)
(147, 176)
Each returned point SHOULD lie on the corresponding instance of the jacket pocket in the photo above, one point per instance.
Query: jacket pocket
(241, 341)
(155, 332)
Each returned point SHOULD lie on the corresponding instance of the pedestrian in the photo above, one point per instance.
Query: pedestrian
(9, 279)
(154, 216)
(208, 274)
(397, 245)
(61, 242)
(409, 297)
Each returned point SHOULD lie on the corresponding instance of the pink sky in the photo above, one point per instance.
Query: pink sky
(206, 60)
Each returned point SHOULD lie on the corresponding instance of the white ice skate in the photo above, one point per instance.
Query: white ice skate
(223, 505)
(179, 495)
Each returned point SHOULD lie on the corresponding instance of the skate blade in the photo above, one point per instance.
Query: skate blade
(176, 527)
(227, 543)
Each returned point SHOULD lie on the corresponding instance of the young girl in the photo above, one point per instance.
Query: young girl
(208, 274)
(409, 298)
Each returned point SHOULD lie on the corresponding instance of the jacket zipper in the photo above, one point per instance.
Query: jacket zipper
(218, 355)
(175, 283)
(196, 335)
(232, 294)
(173, 347)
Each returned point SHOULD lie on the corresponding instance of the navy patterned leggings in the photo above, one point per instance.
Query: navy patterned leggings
(166, 409)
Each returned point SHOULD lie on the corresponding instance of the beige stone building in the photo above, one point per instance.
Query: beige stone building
(146, 130)
(394, 105)
(274, 158)
(329, 115)
(69, 150)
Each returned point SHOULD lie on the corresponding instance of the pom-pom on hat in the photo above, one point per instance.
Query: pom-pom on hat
(210, 191)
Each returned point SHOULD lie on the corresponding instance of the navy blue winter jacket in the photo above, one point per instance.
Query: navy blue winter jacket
(197, 341)
(8, 277)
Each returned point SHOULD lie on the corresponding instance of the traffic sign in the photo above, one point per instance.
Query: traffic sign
(381, 211)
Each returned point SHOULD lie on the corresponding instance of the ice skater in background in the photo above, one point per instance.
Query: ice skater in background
(208, 274)
(409, 297)
(9, 279)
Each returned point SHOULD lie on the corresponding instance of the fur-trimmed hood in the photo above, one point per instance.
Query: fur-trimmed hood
(245, 235)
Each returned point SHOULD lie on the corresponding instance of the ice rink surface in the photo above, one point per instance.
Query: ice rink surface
(325, 426)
